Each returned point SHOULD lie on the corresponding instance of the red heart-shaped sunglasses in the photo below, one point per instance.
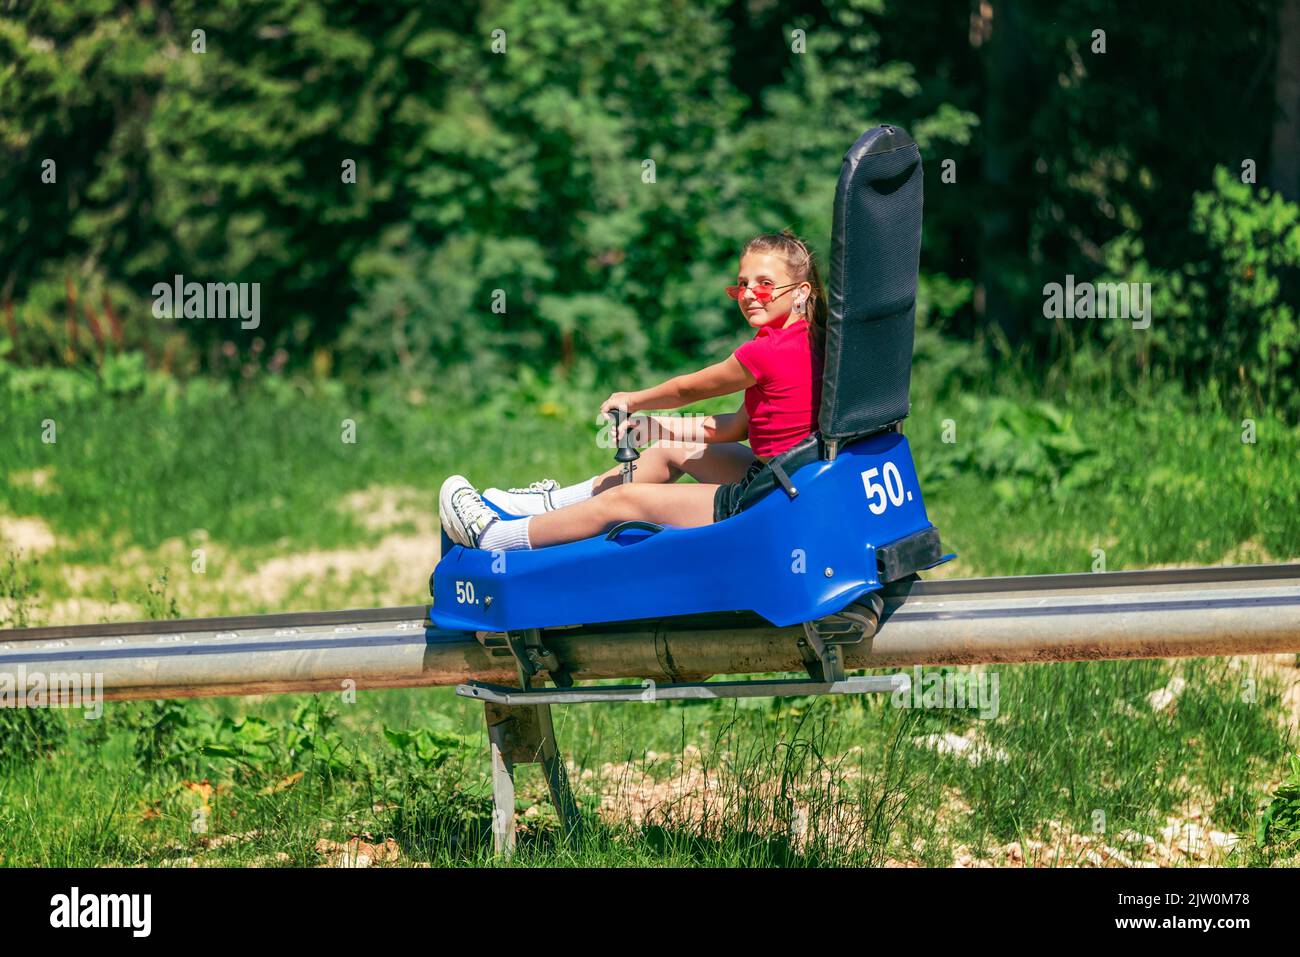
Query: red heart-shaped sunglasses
(762, 291)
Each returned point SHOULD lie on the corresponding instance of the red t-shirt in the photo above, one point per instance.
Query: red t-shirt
(784, 402)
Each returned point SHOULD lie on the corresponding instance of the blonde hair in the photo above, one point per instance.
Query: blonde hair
(803, 267)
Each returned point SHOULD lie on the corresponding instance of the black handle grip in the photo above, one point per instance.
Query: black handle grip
(621, 527)
(627, 443)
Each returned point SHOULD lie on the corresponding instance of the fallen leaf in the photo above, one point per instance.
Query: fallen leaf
(288, 782)
(358, 853)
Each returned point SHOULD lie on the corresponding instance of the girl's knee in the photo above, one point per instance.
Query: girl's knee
(614, 499)
(678, 453)
(622, 501)
(625, 493)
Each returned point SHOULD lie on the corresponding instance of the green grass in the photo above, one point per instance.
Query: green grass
(1150, 478)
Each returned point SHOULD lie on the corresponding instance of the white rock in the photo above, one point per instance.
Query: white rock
(1166, 696)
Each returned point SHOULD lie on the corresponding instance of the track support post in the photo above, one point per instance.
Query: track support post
(524, 734)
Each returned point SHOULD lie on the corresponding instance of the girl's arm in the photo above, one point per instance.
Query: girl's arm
(726, 427)
(721, 378)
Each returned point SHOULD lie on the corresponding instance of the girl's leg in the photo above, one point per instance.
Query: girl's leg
(685, 506)
(708, 463)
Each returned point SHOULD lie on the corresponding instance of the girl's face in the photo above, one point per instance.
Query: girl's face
(768, 272)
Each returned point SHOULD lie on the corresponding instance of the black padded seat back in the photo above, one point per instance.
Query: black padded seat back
(871, 300)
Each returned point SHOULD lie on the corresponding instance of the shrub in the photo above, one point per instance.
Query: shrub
(1229, 314)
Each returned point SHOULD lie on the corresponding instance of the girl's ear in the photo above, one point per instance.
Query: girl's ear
(801, 297)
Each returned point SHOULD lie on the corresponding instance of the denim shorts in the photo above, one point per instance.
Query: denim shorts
(726, 502)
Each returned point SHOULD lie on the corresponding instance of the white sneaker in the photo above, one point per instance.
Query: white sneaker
(533, 500)
(464, 514)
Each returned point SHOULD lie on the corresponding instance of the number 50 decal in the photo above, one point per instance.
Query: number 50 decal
(881, 496)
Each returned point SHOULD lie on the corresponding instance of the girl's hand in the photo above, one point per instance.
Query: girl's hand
(626, 402)
(620, 400)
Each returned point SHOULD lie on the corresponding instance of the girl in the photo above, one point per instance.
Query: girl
(780, 294)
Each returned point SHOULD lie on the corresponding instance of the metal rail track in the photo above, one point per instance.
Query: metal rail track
(1113, 615)
(403, 613)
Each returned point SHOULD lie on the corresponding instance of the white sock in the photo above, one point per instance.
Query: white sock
(572, 494)
(504, 535)
(515, 503)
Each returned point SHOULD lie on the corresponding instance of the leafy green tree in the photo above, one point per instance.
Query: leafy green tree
(461, 191)
(1228, 315)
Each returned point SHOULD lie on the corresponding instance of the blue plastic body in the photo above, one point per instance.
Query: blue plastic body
(788, 559)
